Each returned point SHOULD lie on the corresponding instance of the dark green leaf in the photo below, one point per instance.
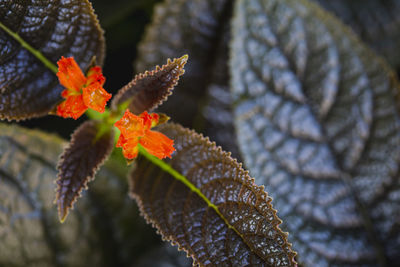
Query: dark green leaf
(149, 89)
(317, 123)
(55, 28)
(377, 22)
(79, 163)
(238, 227)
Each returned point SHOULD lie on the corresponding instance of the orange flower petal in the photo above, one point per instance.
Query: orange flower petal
(95, 97)
(95, 75)
(72, 107)
(149, 120)
(130, 152)
(130, 125)
(81, 92)
(70, 75)
(121, 141)
(129, 147)
(154, 119)
(136, 130)
(66, 93)
(157, 144)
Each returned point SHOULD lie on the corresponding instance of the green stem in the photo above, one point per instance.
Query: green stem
(97, 116)
(28, 47)
(168, 169)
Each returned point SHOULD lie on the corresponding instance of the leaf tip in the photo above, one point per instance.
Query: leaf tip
(150, 89)
(62, 219)
(129, 161)
(182, 60)
(62, 211)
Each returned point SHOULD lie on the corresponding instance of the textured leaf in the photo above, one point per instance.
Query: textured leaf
(123, 234)
(317, 122)
(238, 227)
(105, 228)
(55, 28)
(377, 22)
(80, 162)
(149, 89)
(203, 92)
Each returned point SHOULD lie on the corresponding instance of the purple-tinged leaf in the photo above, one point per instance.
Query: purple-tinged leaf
(149, 89)
(80, 162)
(54, 28)
(221, 217)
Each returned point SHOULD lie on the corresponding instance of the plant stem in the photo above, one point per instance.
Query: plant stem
(28, 47)
(168, 169)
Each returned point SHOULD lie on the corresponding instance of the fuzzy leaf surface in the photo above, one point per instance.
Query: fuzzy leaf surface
(317, 123)
(149, 89)
(55, 28)
(238, 226)
(375, 21)
(79, 163)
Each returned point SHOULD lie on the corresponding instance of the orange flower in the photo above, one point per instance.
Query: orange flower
(82, 92)
(136, 130)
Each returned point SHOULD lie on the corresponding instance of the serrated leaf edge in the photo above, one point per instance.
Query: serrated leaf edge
(46, 62)
(227, 156)
(87, 179)
(180, 62)
(92, 13)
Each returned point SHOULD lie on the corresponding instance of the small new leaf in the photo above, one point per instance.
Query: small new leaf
(28, 86)
(80, 162)
(149, 89)
(212, 209)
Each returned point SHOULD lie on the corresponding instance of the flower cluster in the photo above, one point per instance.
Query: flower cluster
(81, 92)
(135, 130)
